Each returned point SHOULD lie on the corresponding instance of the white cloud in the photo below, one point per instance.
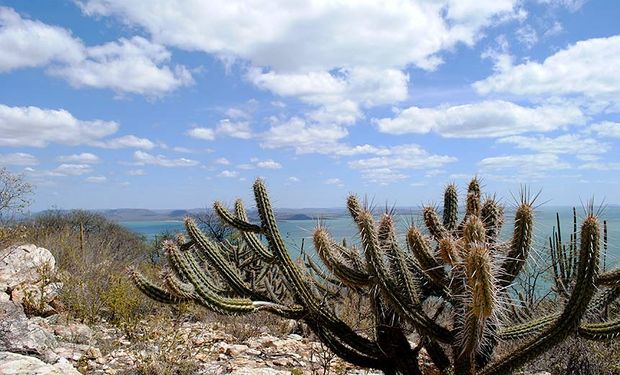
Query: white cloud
(96, 179)
(606, 129)
(586, 68)
(228, 174)
(83, 158)
(293, 179)
(383, 176)
(222, 161)
(268, 164)
(303, 137)
(403, 157)
(299, 36)
(141, 158)
(71, 170)
(529, 165)
(601, 166)
(36, 127)
(564, 144)
(18, 158)
(136, 172)
(127, 141)
(493, 118)
(206, 134)
(338, 94)
(334, 181)
(133, 65)
(232, 129)
(527, 36)
(27, 43)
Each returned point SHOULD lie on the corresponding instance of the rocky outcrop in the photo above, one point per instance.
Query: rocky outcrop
(18, 334)
(24, 264)
(17, 364)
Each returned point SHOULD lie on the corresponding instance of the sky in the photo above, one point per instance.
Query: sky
(175, 104)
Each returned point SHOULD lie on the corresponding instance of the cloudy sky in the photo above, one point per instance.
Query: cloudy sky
(162, 104)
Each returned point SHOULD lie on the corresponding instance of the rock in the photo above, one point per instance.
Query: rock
(24, 264)
(259, 371)
(19, 335)
(4, 297)
(75, 333)
(17, 364)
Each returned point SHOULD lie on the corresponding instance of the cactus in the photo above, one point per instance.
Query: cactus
(449, 286)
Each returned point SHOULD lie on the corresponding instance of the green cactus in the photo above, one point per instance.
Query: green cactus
(449, 287)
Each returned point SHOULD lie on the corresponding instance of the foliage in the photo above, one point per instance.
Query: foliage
(15, 194)
(450, 287)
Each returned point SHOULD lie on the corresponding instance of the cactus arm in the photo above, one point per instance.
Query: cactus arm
(235, 222)
(301, 290)
(602, 300)
(472, 202)
(250, 238)
(422, 251)
(492, 216)
(434, 225)
(392, 292)
(153, 291)
(600, 331)
(204, 294)
(397, 261)
(177, 286)
(609, 279)
(350, 276)
(450, 207)
(213, 255)
(376, 359)
(574, 310)
(519, 245)
(529, 328)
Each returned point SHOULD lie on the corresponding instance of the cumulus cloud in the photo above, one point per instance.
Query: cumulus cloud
(297, 134)
(334, 181)
(228, 174)
(36, 127)
(492, 118)
(527, 166)
(564, 144)
(27, 43)
(606, 129)
(142, 158)
(83, 158)
(586, 69)
(18, 158)
(410, 156)
(268, 164)
(225, 128)
(267, 33)
(134, 65)
(127, 141)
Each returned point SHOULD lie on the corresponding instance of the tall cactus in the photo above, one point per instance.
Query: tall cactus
(448, 286)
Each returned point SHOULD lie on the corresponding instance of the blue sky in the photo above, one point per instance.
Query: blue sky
(173, 104)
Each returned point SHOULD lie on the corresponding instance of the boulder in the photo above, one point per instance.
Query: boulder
(17, 364)
(21, 264)
(19, 335)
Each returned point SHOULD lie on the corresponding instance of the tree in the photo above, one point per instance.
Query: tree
(15, 194)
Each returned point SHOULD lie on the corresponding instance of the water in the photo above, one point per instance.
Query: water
(342, 227)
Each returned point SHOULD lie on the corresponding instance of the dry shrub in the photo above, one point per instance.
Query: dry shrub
(91, 254)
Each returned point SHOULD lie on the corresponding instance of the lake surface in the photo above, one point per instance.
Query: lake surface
(294, 231)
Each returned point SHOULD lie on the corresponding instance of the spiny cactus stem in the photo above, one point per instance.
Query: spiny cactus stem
(574, 309)
(233, 221)
(249, 237)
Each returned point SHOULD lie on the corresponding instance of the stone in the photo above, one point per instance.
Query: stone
(21, 264)
(19, 335)
(17, 364)
(75, 333)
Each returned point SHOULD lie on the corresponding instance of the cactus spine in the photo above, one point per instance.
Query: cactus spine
(461, 268)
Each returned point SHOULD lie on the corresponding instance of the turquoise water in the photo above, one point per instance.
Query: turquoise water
(295, 230)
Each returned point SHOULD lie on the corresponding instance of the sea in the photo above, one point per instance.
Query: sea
(298, 233)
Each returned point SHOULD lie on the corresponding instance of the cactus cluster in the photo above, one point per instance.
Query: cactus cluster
(449, 284)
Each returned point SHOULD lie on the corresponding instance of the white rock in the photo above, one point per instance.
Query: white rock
(17, 364)
(24, 264)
